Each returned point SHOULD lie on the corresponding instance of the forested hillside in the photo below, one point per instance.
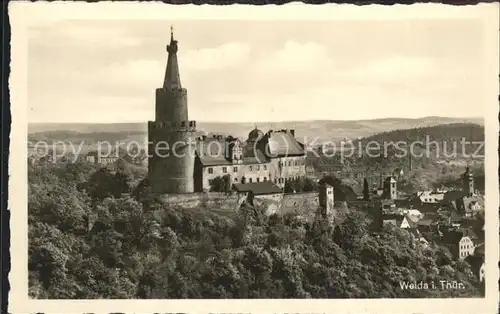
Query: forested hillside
(88, 238)
(436, 154)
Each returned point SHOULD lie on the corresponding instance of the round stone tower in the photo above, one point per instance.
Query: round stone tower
(171, 136)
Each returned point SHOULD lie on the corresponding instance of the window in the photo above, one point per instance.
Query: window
(275, 180)
(265, 178)
(250, 180)
(210, 181)
(241, 156)
(224, 169)
(235, 169)
(235, 179)
(210, 170)
(258, 168)
(250, 168)
(265, 167)
(258, 179)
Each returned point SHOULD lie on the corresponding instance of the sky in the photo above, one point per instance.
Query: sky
(246, 70)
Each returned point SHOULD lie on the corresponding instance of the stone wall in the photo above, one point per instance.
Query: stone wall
(219, 201)
(299, 203)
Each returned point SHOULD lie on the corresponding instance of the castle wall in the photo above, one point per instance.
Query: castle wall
(215, 201)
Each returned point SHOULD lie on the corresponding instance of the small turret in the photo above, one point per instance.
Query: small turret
(326, 200)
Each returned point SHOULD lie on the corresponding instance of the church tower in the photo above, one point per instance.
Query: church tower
(170, 136)
(468, 182)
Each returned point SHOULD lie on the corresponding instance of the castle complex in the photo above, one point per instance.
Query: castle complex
(181, 163)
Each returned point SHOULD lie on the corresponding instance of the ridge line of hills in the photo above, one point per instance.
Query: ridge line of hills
(322, 130)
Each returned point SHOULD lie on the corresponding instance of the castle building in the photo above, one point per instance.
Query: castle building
(275, 156)
(181, 163)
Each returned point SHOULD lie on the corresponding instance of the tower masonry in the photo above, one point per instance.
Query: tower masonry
(468, 182)
(171, 136)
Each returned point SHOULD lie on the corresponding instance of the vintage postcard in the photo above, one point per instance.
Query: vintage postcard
(249, 159)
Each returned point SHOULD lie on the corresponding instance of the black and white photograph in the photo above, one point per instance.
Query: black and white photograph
(341, 155)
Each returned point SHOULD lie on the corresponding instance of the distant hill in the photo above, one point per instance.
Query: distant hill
(306, 131)
(441, 133)
(430, 165)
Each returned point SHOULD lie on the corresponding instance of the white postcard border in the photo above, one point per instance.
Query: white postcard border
(18, 296)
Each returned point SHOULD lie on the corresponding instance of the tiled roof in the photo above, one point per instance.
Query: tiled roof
(253, 155)
(258, 188)
(479, 250)
(282, 143)
(425, 222)
(453, 195)
(468, 232)
(452, 237)
(475, 261)
(455, 217)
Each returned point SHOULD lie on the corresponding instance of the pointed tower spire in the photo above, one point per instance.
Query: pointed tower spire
(172, 76)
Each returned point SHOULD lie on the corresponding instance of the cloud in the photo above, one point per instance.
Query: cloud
(144, 72)
(73, 33)
(230, 55)
(395, 68)
(296, 56)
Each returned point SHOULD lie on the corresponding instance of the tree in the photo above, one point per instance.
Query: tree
(221, 184)
(366, 190)
(157, 251)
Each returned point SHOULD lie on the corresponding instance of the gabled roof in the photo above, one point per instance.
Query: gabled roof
(468, 232)
(390, 179)
(411, 222)
(258, 188)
